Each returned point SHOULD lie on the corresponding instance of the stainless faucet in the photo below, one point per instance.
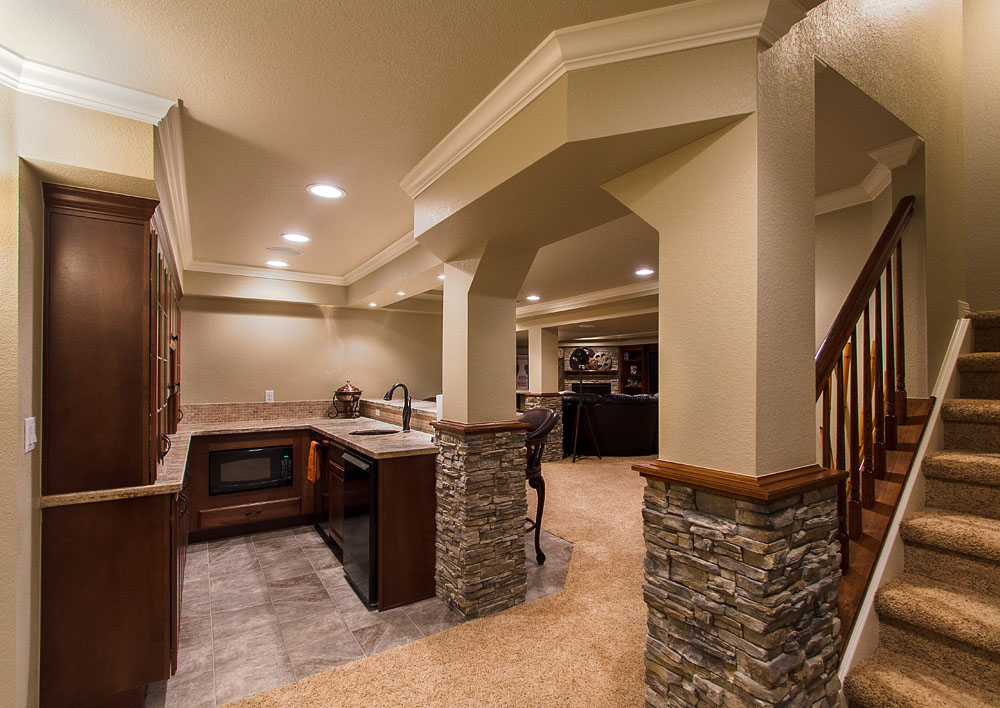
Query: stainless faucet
(407, 404)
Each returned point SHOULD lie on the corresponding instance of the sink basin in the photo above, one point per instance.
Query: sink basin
(374, 431)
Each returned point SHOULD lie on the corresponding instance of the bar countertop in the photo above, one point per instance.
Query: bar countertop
(170, 473)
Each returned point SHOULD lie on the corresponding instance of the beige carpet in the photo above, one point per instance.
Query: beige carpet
(939, 622)
(582, 646)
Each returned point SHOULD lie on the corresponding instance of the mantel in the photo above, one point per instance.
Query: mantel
(591, 372)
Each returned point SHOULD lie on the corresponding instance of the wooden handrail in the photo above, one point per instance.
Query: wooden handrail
(854, 306)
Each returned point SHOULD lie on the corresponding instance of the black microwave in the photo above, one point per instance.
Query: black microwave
(248, 469)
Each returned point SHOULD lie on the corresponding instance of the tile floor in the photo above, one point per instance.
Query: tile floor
(264, 610)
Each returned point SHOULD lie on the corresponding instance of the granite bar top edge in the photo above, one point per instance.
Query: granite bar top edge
(170, 476)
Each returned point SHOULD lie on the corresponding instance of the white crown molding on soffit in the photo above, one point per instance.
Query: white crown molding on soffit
(660, 31)
(37, 79)
(898, 153)
(888, 157)
(597, 297)
(268, 273)
(394, 250)
(874, 183)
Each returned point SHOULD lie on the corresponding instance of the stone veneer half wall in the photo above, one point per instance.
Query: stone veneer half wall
(481, 508)
(554, 442)
(742, 599)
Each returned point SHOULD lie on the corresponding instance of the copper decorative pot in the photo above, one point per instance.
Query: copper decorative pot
(346, 402)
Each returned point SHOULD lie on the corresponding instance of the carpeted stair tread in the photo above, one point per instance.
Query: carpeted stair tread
(971, 410)
(953, 531)
(891, 680)
(934, 607)
(979, 362)
(960, 466)
(986, 318)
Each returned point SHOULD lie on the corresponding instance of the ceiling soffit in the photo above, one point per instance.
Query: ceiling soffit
(661, 31)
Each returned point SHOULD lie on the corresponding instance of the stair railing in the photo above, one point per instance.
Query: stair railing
(866, 425)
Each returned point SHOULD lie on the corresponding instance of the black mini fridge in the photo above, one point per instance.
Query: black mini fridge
(361, 526)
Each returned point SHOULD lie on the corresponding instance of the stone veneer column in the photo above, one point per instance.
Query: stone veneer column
(481, 507)
(554, 442)
(742, 595)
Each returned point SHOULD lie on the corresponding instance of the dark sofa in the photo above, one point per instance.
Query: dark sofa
(625, 425)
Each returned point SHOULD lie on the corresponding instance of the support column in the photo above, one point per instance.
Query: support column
(543, 359)
(481, 500)
(742, 563)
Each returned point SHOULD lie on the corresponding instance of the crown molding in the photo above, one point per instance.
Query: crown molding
(394, 250)
(874, 183)
(268, 273)
(898, 153)
(664, 30)
(37, 79)
(597, 297)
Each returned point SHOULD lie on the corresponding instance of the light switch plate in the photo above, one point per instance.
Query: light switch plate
(378, 413)
(269, 396)
(30, 436)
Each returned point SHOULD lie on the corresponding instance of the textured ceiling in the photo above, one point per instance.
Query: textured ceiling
(280, 94)
(849, 125)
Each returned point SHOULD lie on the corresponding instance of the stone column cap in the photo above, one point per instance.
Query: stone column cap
(502, 426)
(761, 489)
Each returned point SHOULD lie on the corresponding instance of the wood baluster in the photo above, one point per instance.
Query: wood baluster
(891, 437)
(827, 451)
(867, 469)
(854, 452)
(900, 340)
(842, 536)
(878, 450)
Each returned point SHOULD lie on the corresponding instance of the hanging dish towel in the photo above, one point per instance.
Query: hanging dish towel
(312, 473)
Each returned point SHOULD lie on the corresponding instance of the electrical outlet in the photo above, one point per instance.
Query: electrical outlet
(378, 413)
(269, 396)
(30, 436)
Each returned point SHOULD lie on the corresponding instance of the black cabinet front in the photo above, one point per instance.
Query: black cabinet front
(360, 526)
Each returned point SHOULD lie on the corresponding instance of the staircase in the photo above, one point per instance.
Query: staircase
(939, 622)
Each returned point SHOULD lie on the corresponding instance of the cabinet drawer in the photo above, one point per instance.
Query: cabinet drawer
(245, 513)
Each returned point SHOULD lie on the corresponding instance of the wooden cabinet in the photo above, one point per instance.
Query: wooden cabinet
(110, 294)
(638, 369)
(110, 584)
(335, 493)
(218, 515)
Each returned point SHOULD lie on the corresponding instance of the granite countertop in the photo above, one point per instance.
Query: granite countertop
(170, 475)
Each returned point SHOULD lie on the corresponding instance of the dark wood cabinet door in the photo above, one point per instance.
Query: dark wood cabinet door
(95, 375)
(335, 480)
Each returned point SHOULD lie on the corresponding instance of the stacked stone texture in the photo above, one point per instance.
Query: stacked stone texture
(742, 599)
(553, 451)
(481, 507)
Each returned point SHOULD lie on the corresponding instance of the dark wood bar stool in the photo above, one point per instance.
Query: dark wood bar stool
(541, 420)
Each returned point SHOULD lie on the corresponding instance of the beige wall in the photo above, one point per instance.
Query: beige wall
(233, 350)
(982, 152)
(908, 57)
(70, 145)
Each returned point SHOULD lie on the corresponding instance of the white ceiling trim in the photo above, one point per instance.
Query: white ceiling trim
(874, 183)
(269, 273)
(388, 254)
(37, 79)
(660, 31)
(898, 153)
(888, 157)
(597, 297)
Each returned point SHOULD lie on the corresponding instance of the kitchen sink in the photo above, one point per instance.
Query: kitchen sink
(374, 431)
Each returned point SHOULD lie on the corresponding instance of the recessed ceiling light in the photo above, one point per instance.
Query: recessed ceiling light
(372, 304)
(586, 326)
(277, 264)
(295, 238)
(441, 277)
(400, 292)
(327, 191)
(645, 271)
(533, 298)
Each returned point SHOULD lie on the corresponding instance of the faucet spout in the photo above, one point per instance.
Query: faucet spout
(407, 403)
